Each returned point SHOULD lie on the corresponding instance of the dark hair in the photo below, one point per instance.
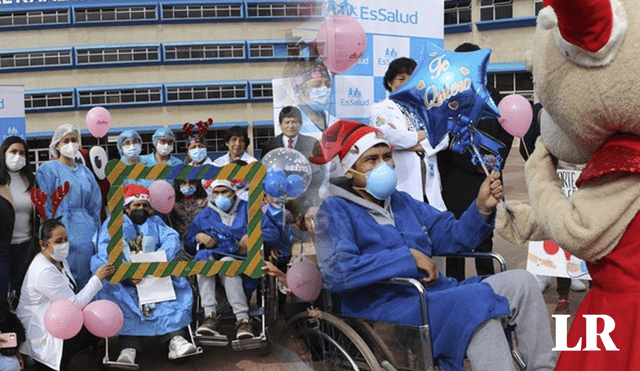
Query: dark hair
(237, 131)
(44, 233)
(466, 47)
(199, 193)
(5, 179)
(397, 67)
(9, 322)
(290, 112)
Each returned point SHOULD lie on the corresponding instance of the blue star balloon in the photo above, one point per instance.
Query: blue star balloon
(448, 93)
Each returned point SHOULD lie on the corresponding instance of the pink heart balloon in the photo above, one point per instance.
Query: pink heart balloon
(63, 319)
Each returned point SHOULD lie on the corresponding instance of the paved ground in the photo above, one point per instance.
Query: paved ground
(281, 358)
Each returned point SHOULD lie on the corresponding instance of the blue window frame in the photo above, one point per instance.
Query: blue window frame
(104, 55)
(206, 92)
(49, 100)
(120, 96)
(208, 51)
(202, 11)
(28, 59)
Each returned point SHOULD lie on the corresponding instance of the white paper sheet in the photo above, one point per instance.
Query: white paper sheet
(153, 289)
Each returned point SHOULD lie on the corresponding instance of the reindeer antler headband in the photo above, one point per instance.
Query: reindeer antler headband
(39, 199)
(202, 126)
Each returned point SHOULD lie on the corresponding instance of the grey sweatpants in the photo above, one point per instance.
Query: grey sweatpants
(488, 349)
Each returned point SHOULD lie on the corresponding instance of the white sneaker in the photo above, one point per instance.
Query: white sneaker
(180, 347)
(577, 285)
(127, 355)
(543, 281)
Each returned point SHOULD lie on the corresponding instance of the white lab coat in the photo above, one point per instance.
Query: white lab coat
(388, 117)
(43, 284)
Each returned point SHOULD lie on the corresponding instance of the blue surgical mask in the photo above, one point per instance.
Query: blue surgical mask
(198, 154)
(187, 190)
(223, 203)
(381, 181)
(319, 98)
(132, 151)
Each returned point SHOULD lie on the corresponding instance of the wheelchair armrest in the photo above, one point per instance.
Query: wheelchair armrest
(482, 255)
(421, 291)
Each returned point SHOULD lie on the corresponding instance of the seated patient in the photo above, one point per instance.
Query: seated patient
(219, 231)
(167, 319)
(375, 233)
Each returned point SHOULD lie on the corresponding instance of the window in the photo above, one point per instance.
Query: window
(262, 134)
(139, 95)
(132, 13)
(512, 83)
(537, 6)
(202, 11)
(36, 17)
(217, 92)
(261, 90)
(261, 50)
(491, 10)
(40, 100)
(283, 10)
(35, 59)
(118, 55)
(204, 52)
(457, 12)
(297, 50)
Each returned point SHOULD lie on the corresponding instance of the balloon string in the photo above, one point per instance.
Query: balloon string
(526, 149)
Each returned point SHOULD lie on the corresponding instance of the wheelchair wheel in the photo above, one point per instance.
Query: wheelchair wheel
(373, 340)
(328, 343)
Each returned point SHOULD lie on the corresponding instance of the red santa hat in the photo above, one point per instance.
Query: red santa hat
(348, 140)
(211, 184)
(135, 192)
(588, 32)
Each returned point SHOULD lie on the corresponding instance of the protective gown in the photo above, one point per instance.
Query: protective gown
(80, 211)
(167, 316)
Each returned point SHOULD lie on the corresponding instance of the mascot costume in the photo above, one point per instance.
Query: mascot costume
(585, 65)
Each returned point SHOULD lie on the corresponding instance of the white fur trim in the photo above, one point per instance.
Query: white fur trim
(222, 182)
(137, 197)
(361, 146)
(606, 54)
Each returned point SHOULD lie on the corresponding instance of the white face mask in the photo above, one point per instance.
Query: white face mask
(69, 150)
(164, 149)
(15, 162)
(60, 252)
(132, 151)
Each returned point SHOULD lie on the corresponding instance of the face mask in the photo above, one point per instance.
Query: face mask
(319, 98)
(138, 216)
(187, 190)
(381, 181)
(15, 162)
(69, 150)
(198, 154)
(132, 151)
(223, 203)
(164, 149)
(60, 252)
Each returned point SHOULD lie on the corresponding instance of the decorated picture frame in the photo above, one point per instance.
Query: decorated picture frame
(117, 172)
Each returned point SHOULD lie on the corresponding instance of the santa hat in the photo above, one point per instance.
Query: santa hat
(211, 184)
(588, 32)
(348, 140)
(135, 192)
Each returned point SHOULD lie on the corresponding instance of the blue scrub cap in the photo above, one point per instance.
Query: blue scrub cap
(162, 132)
(126, 135)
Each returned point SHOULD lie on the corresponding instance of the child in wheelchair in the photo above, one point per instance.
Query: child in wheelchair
(219, 232)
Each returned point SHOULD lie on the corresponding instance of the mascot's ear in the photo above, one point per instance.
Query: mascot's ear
(99, 159)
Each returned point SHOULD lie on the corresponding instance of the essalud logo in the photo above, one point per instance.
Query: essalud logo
(354, 99)
(366, 13)
(390, 53)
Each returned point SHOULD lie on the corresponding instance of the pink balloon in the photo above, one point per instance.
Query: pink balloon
(304, 280)
(103, 318)
(162, 196)
(515, 114)
(63, 319)
(341, 42)
(98, 121)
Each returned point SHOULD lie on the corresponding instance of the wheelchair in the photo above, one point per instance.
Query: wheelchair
(327, 340)
(263, 317)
